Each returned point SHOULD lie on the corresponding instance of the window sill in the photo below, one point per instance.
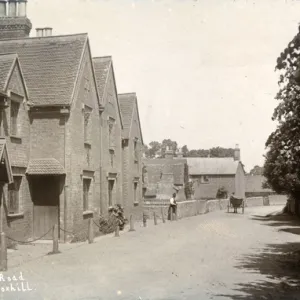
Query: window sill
(16, 137)
(88, 212)
(17, 215)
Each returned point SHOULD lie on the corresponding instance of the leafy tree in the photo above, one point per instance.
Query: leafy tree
(157, 149)
(154, 149)
(257, 170)
(221, 152)
(282, 164)
(185, 151)
(222, 193)
(168, 143)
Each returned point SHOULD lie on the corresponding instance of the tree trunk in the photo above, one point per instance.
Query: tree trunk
(296, 197)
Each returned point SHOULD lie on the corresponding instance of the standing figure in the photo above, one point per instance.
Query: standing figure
(172, 207)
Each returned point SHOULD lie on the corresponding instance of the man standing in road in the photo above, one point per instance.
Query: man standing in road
(172, 207)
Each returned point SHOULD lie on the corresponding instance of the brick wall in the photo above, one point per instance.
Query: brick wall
(185, 209)
(77, 166)
(111, 111)
(209, 190)
(132, 171)
(18, 226)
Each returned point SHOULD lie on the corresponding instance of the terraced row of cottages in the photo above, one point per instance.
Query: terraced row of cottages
(70, 145)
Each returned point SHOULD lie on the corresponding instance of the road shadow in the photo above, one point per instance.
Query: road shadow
(277, 220)
(280, 263)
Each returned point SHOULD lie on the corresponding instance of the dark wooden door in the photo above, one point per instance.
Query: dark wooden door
(45, 192)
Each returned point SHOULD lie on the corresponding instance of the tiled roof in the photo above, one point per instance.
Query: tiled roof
(50, 66)
(101, 67)
(2, 145)
(6, 64)
(4, 155)
(212, 166)
(127, 104)
(254, 184)
(45, 166)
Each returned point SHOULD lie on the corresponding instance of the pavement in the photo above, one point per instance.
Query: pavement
(219, 255)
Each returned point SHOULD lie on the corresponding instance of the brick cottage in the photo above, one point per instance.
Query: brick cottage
(65, 148)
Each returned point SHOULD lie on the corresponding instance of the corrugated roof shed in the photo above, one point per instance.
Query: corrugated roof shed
(212, 166)
(50, 66)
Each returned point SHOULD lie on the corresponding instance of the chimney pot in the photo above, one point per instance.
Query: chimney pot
(39, 32)
(22, 8)
(3, 10)
(237, 153)
(12, 8)
(48, 31)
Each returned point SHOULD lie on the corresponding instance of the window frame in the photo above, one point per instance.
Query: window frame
(111, 133)
(86, 194)
(112, 157)
(87, 113)
(14, 126)
(204, 179)
(14, 192)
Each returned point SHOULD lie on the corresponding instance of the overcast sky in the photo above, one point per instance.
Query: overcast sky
(203, 70)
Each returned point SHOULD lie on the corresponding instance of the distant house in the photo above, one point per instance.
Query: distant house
(254, 186)
(209, 174)
(164, 176)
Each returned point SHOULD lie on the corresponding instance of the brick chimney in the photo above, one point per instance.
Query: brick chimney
(237, 153)
(169, 153)
(14, 23)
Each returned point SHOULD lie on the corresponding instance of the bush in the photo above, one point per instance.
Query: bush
(115, 216)
(222, 193)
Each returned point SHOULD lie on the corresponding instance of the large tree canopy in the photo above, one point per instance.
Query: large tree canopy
(282, 164)
(157, 149)
(257, 170)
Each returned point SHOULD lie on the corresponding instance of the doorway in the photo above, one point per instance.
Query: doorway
(45, 197)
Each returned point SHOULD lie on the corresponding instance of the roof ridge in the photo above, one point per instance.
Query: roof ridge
(9, 54)
(99, 57)
(43, 37)
(132, 93)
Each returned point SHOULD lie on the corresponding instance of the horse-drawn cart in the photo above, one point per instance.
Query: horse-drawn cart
(236, 203)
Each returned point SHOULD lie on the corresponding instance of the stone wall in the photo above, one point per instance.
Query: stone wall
(192, 208)
(185, 209)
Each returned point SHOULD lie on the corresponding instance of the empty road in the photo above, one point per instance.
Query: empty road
(212, 256)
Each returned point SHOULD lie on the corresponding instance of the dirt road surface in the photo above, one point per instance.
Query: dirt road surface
(214, 256)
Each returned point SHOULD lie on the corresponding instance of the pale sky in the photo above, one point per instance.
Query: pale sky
(203, 70)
